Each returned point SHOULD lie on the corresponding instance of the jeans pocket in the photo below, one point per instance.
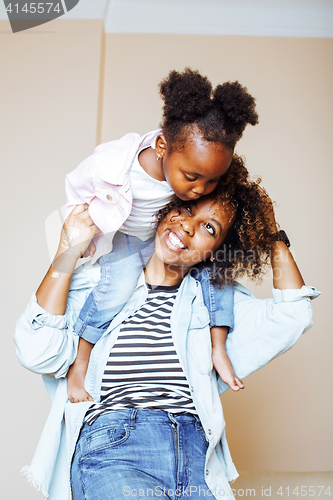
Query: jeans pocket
(200, 429)
(105, 438)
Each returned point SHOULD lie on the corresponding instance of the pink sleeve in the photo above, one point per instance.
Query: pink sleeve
(79, 185)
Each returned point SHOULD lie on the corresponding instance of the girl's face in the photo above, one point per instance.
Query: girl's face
(195, 170)
(193, 235)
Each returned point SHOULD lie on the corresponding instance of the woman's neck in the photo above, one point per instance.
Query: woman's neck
(157, 273)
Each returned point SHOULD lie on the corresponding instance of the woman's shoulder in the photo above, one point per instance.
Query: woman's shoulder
(241, 291)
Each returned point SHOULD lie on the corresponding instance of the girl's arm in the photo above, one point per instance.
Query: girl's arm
(76, 234)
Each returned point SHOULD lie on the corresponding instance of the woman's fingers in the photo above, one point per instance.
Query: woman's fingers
(92, 248)
(77, 232)
(78, 209)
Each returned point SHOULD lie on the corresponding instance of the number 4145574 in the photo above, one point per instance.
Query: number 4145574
(34, 7)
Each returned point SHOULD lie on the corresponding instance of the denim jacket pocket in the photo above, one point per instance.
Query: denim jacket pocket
(199, 317)
(200, 342)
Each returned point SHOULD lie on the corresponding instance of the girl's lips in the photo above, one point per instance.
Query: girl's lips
(174, 242)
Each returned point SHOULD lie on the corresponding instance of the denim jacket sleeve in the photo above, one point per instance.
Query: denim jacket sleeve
(266, 328)
(45, 343)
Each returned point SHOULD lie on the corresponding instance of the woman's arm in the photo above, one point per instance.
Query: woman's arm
(76, 234)
(264, 329)
(285, 271)
(44, 337)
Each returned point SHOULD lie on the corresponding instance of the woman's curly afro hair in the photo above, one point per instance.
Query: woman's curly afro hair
(191, 104)
(246, 248)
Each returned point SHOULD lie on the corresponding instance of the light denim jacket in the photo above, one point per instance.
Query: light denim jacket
(47, 344)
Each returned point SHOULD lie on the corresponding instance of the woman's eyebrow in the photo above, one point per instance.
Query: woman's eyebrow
(218, 224)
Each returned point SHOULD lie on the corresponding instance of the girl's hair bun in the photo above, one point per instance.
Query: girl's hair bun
(220, 116)
(237, 104)
(186, 95)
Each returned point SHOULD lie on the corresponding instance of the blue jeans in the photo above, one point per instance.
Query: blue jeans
(134, 453)
(120, 270)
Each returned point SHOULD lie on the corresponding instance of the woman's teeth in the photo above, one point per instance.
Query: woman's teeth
(175, 240)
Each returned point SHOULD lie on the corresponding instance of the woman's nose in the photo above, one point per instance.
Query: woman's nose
(187, 224)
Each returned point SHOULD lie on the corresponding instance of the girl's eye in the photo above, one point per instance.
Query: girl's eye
(210, 229)
(191, 179)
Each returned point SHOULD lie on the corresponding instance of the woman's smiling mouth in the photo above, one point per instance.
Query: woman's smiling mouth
(174, 242)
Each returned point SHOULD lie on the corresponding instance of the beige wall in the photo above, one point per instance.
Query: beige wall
(49, 109)
(52, 110)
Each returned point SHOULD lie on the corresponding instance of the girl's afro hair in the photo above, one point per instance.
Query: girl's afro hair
(190, 104)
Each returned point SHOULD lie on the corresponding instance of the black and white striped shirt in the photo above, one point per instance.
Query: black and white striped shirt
(143, 369)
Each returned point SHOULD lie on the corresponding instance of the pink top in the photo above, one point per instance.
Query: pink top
(102, 181)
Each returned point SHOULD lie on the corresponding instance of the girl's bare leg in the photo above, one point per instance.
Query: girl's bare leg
(77, 373)
(221, 361)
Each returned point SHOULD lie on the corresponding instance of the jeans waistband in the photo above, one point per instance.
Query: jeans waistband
(137, 415)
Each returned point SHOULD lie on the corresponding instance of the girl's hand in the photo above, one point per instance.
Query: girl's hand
(75, 239)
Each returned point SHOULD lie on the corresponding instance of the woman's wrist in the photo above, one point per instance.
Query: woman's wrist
(64, 261)
(285, 271)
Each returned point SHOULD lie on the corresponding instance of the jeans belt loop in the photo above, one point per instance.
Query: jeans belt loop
(132, 418)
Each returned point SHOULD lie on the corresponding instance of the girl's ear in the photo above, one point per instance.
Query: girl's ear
(161, 146)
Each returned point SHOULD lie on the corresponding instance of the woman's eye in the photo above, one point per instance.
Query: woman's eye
(187, 210)
(210, 229)
(191, 179)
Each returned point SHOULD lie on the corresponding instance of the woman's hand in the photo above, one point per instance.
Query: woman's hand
(75, 239)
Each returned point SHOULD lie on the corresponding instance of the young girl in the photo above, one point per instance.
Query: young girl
(126, 181)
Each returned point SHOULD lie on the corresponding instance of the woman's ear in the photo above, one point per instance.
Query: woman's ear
(160, 146)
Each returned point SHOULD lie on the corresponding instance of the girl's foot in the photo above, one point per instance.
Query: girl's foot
(224, 368)
(75, 383)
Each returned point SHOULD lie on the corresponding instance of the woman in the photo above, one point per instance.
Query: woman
(126, 443)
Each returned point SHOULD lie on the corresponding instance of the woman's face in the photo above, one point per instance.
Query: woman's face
(193, 235)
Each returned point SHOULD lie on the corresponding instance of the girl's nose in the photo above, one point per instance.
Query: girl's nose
(199, 189)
